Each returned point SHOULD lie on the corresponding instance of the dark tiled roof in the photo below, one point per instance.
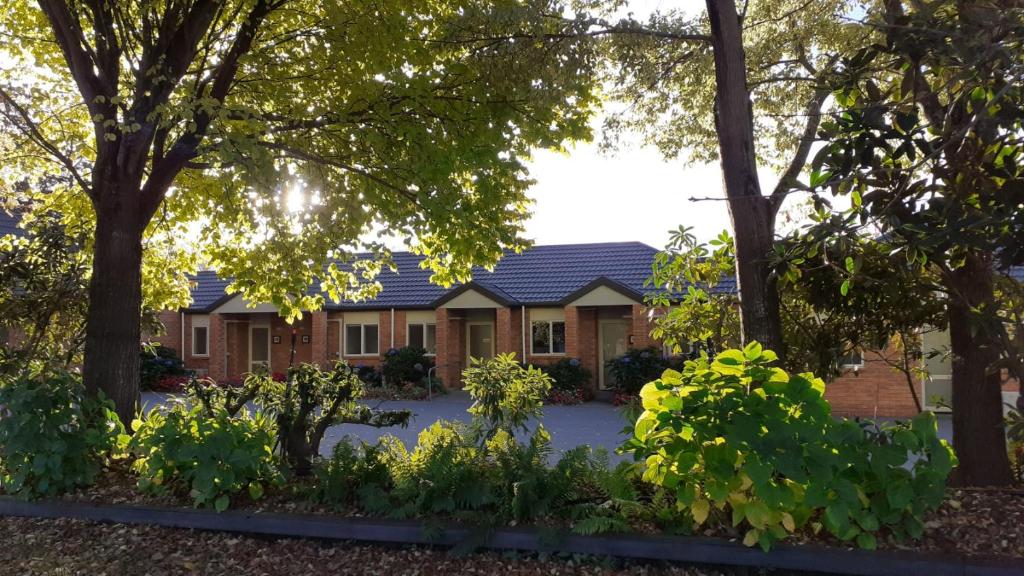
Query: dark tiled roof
(207, 290)
(9, 224)
(540, 275)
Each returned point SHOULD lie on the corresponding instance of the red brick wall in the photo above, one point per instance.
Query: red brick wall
(875, 391)
(172, 331)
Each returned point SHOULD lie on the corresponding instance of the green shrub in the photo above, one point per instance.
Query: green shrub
(310, 401)
(743, 443)
(352, 475)
(157, 362)
(636, 367)
(568, 375)
(407, 365)
(52, 438)
(211, 457)
(443, 475)
(505, 394)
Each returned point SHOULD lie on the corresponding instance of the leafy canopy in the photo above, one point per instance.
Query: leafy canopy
(411, 118)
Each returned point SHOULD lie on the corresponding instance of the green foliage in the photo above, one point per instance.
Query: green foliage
(157, 362)
(408, 365)
(423, 134)
(52, 438)
(44, 293)
(505, 394)
(310, 401)
(636, 367)
(212, 458)
(568, 374)
(743, 443)
(688, 275)
(352, 475)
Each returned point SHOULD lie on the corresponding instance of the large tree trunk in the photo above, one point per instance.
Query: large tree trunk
(753, 215)
(978, 430)
(113, 324)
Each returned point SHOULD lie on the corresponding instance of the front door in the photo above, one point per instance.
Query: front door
(481, 341)
(259, 348)
(614, 334)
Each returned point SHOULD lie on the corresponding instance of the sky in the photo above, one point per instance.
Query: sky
(630, 195)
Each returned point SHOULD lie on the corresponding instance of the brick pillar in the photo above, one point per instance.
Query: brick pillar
(641, 328)
(503, 342)
(318, 334)
(572, 332)
(218, 343)
(448, 349)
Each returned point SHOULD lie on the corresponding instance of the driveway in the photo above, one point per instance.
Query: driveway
(596, 423)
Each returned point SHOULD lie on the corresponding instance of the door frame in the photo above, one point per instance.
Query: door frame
(601, 384)
(254, 326)
(469, 335)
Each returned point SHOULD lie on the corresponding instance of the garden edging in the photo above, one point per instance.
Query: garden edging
(662, 548)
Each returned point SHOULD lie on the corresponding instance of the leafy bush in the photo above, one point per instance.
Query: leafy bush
(352, 475)
(53, 438)
(742, 442)
(309, 402)
(408, 365)
(636, 367)
(157, 362)
(568, 374)
(406, 392)
(368, 375)
(505, 394)
(211, 457)
(172, 384)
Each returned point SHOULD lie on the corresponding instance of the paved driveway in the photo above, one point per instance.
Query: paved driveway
(596, 423)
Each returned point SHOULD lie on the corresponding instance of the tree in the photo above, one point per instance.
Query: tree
(43, 284)
(695, 99)
(892, 303)
(208, 115)
(931, 155)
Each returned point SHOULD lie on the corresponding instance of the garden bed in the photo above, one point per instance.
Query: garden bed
(26, 546)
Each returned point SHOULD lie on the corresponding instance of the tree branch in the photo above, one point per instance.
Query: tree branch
(803, 149)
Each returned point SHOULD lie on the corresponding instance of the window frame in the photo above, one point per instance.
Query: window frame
(424, 325)
(206, 340)
(551, 338)
(362, 339)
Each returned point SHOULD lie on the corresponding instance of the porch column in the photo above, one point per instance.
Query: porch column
(318, 334)
(218, 348)
(447, 349)
(503, 342)
(572, 332)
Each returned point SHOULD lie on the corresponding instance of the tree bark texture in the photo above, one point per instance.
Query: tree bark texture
(752, 214)
(978, 431)
(113, 330)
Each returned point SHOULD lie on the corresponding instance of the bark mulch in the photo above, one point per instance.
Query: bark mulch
(73, 547)
(974, 522)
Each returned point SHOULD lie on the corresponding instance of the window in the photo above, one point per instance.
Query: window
(200, 341)
(360, 339)
(852, 359)
(548, 337)
(422, 336)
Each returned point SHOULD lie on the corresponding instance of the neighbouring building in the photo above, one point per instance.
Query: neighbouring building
(583, 301)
